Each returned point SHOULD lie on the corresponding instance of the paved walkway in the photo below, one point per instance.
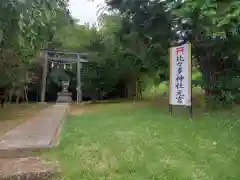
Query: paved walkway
(38, 133)
(17, 146)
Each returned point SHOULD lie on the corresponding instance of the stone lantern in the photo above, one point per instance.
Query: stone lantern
(64, 96)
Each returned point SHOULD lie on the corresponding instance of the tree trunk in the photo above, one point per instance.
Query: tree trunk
(2, 102)
(17, 99)
(2, 94)
(140, 91)
(137, 89)
(10, 95)
(207, 68)
(129, 90)
(18, 94)
(26, 92)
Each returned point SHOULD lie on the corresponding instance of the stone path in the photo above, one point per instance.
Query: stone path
(18, 145)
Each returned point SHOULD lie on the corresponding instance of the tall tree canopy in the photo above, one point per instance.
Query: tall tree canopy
(211, 26)
(25, 28)
(132, 40)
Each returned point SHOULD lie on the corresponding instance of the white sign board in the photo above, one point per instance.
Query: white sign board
(180, 75)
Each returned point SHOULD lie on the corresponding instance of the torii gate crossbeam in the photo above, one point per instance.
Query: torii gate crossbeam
(76, 57)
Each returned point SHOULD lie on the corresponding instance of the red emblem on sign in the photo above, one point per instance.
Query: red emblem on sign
(180, 50)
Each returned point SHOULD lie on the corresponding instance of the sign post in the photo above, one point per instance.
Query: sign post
(180, 77)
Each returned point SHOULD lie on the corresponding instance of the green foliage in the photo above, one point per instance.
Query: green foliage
(99, 79)
(25, 27)
(58, 75)
(212, 29)
(141, 35)
(134, 37)
(131, 42)
(215, 16)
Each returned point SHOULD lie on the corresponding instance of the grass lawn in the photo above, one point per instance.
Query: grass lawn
(142, 142)
(14, 114)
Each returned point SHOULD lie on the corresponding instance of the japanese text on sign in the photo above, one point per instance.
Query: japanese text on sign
(180, 77)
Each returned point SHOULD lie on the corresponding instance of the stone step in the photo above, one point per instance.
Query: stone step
(31, 168)
(21, 152)
(64, 97)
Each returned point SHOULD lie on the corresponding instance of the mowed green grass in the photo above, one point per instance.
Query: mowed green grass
(142, 142)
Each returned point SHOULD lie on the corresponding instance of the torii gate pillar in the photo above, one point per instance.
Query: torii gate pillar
(77, 60)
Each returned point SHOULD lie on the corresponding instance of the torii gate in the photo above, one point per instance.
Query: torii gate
(60, 56)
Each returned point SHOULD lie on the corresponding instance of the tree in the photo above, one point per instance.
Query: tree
(25, 27)
(215, 39)
(146, 34)
(153, 26)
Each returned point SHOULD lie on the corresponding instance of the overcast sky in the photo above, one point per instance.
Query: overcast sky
(85, 11)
